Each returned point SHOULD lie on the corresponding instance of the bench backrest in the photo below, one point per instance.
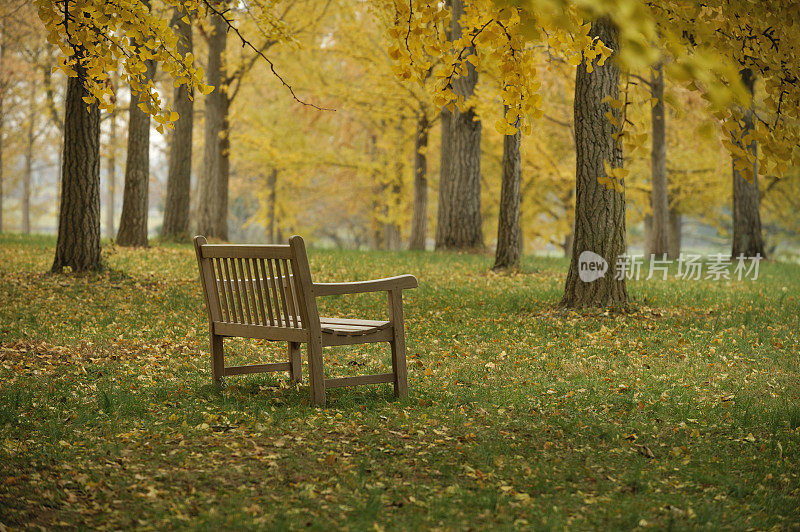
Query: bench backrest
(263, 285)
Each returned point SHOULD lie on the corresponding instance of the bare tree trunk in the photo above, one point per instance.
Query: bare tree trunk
(463, 228)
(509, 235)
(27, 176)
(135, 195)
(2, 115)
(566, 246)
(659, 201)
(208, 203)
(111, 173)
(674, 237)
(747, 239)
(272, 186)
(78, 245)
(419, 220)
(599, 211)
(648, 234)
(176, 205)
(224, 170)
(445, 158)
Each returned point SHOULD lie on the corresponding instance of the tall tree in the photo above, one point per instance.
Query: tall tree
(92, 36)
(509, 235)
(460, 211)
(135, 195)
(78, 244)
(209, 203)
(445, 155)
(3, 87)
(747, 238)
(419, 220)
(659, 202)
(111, 172)
(27, 176)
(176, 205)
(599, 194)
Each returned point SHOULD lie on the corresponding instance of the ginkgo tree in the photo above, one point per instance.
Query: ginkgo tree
(95, 37)
(708, 45)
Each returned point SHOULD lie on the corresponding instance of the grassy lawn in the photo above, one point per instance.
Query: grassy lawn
(681, 413)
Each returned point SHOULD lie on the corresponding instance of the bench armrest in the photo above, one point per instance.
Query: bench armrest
(399, 282)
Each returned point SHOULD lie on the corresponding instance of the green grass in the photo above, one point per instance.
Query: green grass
(681, 413)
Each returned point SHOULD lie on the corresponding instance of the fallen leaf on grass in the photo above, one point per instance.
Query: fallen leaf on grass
(645, 451)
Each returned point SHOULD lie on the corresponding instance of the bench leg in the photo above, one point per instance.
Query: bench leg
(398, 344)
(217, 360)
(295, 372)
(316, 373)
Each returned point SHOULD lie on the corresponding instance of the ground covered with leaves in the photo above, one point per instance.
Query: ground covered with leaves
(682, 411)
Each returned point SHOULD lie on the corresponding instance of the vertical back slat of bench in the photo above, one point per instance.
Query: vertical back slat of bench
(243, 316)
(220, 287)
(275, 294)
(292, 303)
(265, 284)
(230, 289)
(257, 295)
(251, 290)
(279, 282)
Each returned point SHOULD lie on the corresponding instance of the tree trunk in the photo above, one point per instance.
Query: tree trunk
(135, 195)
(176, 205)
(272, 186)
(27, 176)
(463, 228)
(2, 116)
(674, 237)
(208, 204)
(509, 235)
(419, 220)
(566, 246)
(747, 238)
(599, 211)
(648, 234)
(224, 170)
(658, 164)
(111, 173)
(446, 156)
(78, 245)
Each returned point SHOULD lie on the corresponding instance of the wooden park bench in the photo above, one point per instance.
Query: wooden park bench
(266, 292)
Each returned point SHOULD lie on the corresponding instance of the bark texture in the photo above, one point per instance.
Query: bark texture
(111, 173)
(445, 118)
(460, 225)
(209, 203)
(599, 212)
(135, 195)
(509, 235)
(224, 169)
(27, 176)
(674, 237)
(419, 219)
(659, 202)
(176, 205)
(2, 117)
(747, 239)
(78, 245)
